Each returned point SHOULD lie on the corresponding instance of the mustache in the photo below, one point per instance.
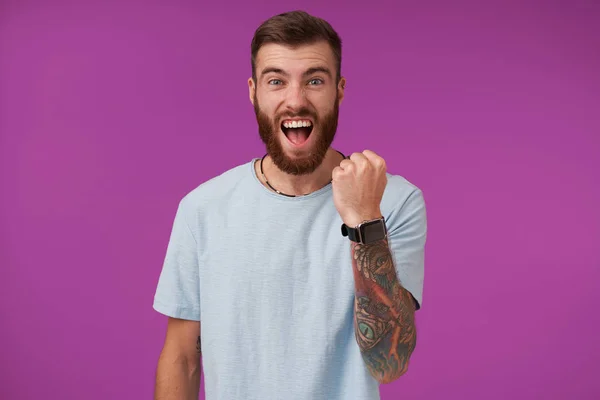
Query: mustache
(302, 113)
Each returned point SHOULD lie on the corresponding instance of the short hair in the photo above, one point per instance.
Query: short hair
(296, 28)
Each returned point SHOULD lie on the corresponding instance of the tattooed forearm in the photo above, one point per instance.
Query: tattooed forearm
(198, 346)
(383, 312)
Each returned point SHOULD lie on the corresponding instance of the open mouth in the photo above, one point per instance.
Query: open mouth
(297, 131)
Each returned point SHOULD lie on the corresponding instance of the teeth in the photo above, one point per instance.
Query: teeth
(297, 124)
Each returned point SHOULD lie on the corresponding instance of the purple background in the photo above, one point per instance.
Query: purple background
(111, 111)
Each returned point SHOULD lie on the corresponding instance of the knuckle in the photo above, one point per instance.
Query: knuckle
(356, 156)
(369, 153)
(359, 159)
(379, 162)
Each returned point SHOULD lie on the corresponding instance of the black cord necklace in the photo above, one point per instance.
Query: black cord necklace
(277, 191)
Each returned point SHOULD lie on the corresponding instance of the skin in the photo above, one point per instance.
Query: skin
(384, 312)
(178, 370)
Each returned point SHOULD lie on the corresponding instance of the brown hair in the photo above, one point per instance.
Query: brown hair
(296, 28)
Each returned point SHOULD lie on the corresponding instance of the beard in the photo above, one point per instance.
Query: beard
(324, 130)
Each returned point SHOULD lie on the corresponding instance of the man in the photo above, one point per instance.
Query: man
(269, 275)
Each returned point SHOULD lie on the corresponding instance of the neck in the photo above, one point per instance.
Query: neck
(298, 185)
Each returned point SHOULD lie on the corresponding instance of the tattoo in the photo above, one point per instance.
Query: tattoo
(384, 312)
(198, 347)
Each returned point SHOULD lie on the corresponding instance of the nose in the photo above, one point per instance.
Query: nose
(296, 97)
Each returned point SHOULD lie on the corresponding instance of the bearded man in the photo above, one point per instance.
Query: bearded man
(295, 275)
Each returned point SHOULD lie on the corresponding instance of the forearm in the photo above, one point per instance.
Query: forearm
(384, 312)
(177, 379)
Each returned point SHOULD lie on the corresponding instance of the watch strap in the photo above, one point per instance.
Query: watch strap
(351, 233)
(359, 235)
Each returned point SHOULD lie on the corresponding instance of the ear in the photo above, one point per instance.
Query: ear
(251, 89)
(341, 87)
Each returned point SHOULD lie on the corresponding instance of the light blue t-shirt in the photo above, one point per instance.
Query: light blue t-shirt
(270, 278)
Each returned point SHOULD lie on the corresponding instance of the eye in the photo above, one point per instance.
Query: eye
(275, 82)
(315, 81)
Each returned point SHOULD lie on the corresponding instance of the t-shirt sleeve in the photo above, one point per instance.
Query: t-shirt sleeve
(407, 232)
(178, 290)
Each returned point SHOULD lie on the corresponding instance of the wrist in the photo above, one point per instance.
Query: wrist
(352, 220)
(370, 228)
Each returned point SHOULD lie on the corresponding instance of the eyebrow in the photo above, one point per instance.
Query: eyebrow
(308, 72)
(314, 70)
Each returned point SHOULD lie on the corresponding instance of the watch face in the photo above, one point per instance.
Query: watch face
(373, 231)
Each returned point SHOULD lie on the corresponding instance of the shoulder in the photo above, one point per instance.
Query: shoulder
(399, 189)
(216, 189)
(402, 199)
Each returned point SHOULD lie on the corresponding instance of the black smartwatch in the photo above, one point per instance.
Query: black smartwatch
(366, 232)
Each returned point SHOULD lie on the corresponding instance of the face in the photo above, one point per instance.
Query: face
(296, 100)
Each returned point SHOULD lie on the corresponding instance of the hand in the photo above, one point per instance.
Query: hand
(358, 186)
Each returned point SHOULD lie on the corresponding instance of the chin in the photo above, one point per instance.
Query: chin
(298, 159)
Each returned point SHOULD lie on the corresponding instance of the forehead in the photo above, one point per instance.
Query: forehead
(295, 59)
